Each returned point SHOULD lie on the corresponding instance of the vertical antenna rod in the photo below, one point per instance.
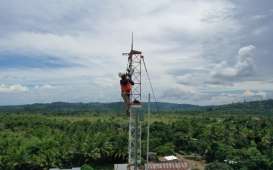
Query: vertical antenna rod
(148, 131)
(132, 43)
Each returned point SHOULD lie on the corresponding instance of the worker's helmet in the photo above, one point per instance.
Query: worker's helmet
(121, 74)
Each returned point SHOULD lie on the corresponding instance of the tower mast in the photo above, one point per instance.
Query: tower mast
(134, 72)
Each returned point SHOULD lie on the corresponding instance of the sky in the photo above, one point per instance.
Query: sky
(205, 52)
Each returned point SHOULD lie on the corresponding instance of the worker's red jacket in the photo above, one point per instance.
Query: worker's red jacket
(126, 85)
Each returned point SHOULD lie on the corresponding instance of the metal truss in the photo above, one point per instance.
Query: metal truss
(134, 146)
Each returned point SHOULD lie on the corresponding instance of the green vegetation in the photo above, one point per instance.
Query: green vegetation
(38, 141)
(86, 167)
(217, 166)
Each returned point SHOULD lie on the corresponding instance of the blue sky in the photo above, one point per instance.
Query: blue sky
(198, 52)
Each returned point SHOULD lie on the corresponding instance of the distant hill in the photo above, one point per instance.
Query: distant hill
(264, 107)
(74, 108)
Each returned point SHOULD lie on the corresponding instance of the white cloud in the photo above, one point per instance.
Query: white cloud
(12, 88)
(244, 66)
(248, 93)
(189, 37)
(255, 94)
(44, 86)
(178, 92)
(262, 94)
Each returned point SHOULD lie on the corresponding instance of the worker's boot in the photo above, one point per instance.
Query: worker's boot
(136, 104)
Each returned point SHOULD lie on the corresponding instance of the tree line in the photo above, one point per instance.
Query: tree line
(36, 142)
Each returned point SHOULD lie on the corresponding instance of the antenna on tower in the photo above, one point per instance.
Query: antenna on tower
(132, 43)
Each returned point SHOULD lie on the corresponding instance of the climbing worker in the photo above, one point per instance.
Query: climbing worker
(126, 87)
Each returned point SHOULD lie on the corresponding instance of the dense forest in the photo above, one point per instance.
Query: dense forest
(31, 141)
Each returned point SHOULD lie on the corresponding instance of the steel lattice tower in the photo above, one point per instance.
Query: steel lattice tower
(134, 145)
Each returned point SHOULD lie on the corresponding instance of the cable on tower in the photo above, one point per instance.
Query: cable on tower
(150, 83)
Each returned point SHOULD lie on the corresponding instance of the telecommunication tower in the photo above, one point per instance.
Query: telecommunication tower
(134, 72)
